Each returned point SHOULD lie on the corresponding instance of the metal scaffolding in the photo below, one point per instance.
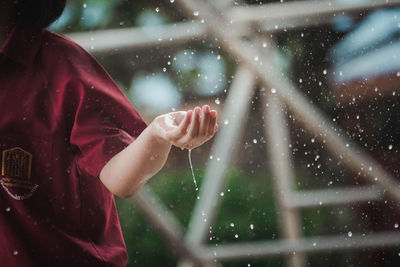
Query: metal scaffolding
(227, 24)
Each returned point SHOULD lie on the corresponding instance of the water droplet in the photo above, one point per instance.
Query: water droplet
(324, 72)
(396, 225)
(196, 13)
(8, 209)
(157, 9)
(232, 225)
(251, 226)
(255, 141)
(164, 69)
(226, 122)
(236, 236)
(390, 147)
(273, 90)
(350, 234)
(217, 101)
(221, 194)
(314, 244)
(84, 5)
(256, 58)
(15, 253)
(172, 1)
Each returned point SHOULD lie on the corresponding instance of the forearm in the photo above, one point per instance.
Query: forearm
(130, 169)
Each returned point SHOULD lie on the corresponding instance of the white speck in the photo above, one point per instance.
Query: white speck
(314, 244)
(264, 45)
(226, 122)
(376, 178)
(164, 69)
(172, 1)
(324, 72)
(219, 57)
(221, 194)
(370, 168)
(398, 74)
(320, 203)
(236, 236)
(256, 58)
(232, 225)
(251, 226)
(390, 147)
(300, 80)
(157, 9)
(217, 101)
(312, 140)
(198, 197)
(273, 90)
(255, 141)
(15, 253)
(347, 145)
(84, 5)
(396, 225)
(8, 209)
(196, 13)
(350, 234)
(211, 157)
(218, 159)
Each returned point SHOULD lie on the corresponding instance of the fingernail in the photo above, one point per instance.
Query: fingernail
(216, 127)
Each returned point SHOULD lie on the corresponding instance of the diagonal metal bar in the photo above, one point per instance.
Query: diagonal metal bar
(276, 128)
(164, 223)
(314, 120)
(116, 40)
(299, 14)
(264, 249)
(236, 106)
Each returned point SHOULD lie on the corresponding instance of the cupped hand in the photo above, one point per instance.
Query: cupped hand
(187, 129)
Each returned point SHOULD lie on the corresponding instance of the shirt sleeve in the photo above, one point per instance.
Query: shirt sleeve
(105, 122)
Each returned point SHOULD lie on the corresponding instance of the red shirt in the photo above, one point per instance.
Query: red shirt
(62, 118)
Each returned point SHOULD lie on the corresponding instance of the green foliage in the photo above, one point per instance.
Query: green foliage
(247, 203)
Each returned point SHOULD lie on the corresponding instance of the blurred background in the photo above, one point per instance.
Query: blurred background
(345, 64)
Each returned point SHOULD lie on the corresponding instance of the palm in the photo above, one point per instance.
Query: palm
(187, 129)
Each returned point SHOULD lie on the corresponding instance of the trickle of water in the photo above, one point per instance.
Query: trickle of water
(191, 168)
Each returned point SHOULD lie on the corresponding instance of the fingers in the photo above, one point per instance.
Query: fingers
(204, 120)
(197, 126)
(193, 131)
(212, 126)
(183, 126)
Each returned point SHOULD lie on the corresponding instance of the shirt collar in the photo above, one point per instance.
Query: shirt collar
(22, 44)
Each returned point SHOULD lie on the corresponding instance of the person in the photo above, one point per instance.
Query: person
(69, 140)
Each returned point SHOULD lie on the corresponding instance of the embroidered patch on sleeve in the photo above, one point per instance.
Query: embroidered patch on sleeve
(16, 168)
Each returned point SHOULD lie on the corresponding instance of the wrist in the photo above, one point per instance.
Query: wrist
(156, 134)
